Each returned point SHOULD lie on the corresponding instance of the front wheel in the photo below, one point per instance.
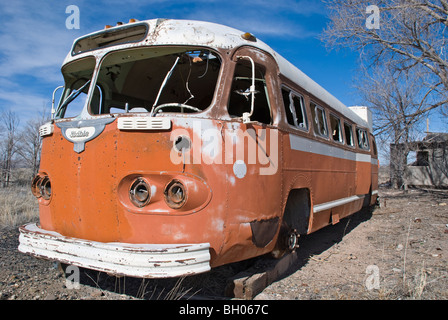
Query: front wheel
(292, 242)
(287, 242)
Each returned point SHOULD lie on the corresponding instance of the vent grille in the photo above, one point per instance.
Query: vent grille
(143, 123)
(46, 130)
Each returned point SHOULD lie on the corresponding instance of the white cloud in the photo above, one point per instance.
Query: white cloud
(32, 40)
(25, 105)
(34, 43)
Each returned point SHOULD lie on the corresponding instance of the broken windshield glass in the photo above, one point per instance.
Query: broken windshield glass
(162, 79)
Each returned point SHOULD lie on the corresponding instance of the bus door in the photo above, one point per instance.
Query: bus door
(252, 151)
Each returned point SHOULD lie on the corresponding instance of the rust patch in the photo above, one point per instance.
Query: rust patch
(263, 231)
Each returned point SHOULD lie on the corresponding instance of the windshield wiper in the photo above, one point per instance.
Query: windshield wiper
(167, 77)
(72, 96)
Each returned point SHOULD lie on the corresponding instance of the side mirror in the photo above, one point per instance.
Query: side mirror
(53, 110)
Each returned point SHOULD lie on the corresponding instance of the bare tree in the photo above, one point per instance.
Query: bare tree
(395, 97)
(10, 122)
(30, 141)
(405, 59)
(410, 33)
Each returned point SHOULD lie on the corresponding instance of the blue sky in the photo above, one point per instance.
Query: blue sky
(34, 40)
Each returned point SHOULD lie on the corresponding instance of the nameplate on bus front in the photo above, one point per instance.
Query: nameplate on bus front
(81, 131)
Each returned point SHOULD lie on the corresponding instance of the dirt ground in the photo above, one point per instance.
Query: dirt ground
(397, 251)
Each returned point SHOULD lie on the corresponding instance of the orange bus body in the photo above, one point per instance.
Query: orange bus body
(164, 194)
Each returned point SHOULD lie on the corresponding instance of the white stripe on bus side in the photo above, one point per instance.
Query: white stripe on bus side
(306, 145)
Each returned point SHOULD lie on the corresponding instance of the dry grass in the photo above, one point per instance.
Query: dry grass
(17, 206)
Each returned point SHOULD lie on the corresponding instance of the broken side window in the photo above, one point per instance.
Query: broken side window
(240, 96)
(336, 131)
(348, 134)
(363, 140)
(319, 118)
(295, 109)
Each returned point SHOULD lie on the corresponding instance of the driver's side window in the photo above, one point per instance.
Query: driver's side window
(240, 97)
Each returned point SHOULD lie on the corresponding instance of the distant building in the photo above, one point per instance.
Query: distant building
(430, 166)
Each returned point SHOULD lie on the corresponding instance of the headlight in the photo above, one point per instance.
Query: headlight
(45, 188)
(41, 186)
(35, 186)
(140, 193)
(175, 194)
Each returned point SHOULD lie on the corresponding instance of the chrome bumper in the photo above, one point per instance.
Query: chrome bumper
(134, 260)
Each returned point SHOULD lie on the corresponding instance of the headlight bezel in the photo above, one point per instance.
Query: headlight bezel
(175, 194)
(140, 192)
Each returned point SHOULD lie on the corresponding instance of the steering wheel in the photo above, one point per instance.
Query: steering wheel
(178, 105)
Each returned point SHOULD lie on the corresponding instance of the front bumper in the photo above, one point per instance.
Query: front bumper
(134, 260)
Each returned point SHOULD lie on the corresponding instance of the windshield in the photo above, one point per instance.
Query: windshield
(153, 80)
(163, 79)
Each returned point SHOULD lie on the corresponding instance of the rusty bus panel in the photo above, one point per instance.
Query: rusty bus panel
(179, 146)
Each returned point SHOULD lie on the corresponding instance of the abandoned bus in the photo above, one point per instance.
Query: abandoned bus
(178, 146)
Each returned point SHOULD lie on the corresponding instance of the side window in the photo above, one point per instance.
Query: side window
(74, 100)
(319, 119)
(295, 109)
(363, 140)
(240, 97)
(348, 134)
(77, 76)
(375, 151)
(97, 104)
(336, 131)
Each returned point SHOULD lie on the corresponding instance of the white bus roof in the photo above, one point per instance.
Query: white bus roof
(200, 33)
